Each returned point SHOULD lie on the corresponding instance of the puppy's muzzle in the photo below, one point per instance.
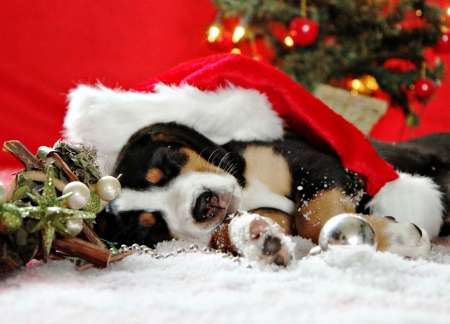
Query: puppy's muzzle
(209, 205)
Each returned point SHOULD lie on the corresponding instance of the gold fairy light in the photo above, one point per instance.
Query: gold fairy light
(239, 31)
(289, 41)
(213, 33)
(367, 84)
(357, 86)
(214, 29)
(371, 83)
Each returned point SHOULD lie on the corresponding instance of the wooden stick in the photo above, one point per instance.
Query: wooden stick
(41, 176)
(92, 236)
(122, 255)
(72, 176)
(82, 249)
(114, 258)
(22, 154)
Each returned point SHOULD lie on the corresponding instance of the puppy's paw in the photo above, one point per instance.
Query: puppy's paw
(260, 239)
(407, 239)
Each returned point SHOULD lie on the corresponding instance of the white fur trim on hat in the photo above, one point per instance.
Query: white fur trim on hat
(107, 117)
(411, 198)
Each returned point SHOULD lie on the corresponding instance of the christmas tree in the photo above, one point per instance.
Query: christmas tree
(363, 45)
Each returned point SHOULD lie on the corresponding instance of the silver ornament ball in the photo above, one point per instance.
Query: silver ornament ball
(80, 194)
(3, 194)
(346, 240)
(108, 188)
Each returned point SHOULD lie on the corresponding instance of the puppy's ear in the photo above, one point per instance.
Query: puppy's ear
(149, 159)
(188, 137)
(132, 226)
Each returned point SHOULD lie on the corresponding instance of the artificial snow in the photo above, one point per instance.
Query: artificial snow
(210, 288)
(213, 288)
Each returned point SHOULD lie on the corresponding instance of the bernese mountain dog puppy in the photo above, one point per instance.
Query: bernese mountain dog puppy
(251, 197)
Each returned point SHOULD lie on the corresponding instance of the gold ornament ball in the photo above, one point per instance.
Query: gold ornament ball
(108, 188)
(80, 194)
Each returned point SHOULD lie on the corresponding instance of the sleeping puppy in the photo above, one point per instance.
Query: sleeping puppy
(251, 197)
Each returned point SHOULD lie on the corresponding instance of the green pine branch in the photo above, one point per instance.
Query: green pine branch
(355, 38)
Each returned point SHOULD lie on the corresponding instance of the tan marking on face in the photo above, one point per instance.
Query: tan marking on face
(196, 163)
(312, 215)
(263, 164)
(154, 175)
(147, 219)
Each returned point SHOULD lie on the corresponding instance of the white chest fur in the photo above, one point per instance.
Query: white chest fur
(268, 180)
(256, 195)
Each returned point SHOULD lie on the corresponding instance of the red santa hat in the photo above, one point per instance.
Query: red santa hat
(231, 96)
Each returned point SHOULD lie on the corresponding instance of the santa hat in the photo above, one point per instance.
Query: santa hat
(230, 97)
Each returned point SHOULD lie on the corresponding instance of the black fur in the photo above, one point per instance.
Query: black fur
(145, 149)
(311, 169)
(427, 156)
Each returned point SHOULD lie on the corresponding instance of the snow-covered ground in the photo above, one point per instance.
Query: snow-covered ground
(212, 288)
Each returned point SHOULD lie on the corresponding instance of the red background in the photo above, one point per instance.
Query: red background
(46, 49)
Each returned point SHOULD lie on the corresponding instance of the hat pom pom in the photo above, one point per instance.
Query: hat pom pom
(411, 198)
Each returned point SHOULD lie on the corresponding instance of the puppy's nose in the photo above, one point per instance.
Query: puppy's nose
(207, 206)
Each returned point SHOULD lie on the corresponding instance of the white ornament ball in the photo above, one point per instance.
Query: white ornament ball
(80, 194)
(74, 226)
(108, 188)
(102, 205)
(3, 194)
(346, 240)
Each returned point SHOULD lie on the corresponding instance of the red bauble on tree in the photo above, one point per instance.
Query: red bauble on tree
(303, 31)
(443, 45)
(424, 88)
(278, 30)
